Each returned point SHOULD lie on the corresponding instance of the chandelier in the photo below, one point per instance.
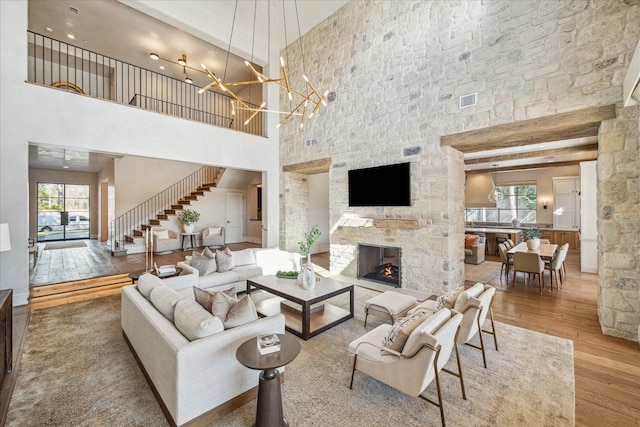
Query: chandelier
(308, 100)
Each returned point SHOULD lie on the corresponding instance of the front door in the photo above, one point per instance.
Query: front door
(63, 211)
(235, 218)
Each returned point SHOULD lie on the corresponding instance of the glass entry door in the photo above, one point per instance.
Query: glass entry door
(63, 211)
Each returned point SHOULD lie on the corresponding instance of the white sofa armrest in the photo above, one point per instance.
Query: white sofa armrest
(187, 279)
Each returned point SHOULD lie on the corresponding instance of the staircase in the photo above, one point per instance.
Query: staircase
(127, 232)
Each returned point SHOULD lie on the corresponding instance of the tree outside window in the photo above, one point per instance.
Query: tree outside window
(513, 201)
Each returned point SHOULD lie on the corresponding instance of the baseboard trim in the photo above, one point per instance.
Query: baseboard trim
(207, 417)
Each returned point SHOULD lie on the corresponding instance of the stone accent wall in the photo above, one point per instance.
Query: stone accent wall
(619, 224)
(395, 71)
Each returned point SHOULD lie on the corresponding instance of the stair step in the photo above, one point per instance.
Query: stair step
(191, 198)
(184, 202)
(82, 294)
(178, 207)
(197, 193)
(76, 285)
(138, 233)
(162, 217)
(170, 211)
(154, 221)
(204, 188)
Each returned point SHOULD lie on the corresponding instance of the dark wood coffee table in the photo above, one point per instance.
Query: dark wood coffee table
(269, 411)
(309, 314)
(135, 275)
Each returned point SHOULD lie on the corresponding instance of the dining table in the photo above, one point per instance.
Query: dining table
(547, 252)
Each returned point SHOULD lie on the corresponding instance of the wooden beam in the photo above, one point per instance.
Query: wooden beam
(574, 124)
(530, 154)
(396, 223)
(309, 168)
(533, 166)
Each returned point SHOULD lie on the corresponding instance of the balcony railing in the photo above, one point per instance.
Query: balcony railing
(64, 66)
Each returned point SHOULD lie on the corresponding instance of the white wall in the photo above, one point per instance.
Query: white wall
(319, 209)
(34, 114)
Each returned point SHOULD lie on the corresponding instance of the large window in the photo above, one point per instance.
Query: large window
(513, 201)
(63, 211)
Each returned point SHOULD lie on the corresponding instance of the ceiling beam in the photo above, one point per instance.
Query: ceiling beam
(570, 125)
(530, 154)
(533, 166)
(310, 168)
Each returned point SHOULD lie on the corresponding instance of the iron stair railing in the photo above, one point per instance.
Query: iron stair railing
(151, 212)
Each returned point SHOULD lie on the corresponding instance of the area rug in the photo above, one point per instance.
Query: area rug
(77, 370)
(64, 245)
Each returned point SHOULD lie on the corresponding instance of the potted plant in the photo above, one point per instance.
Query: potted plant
(188, 218)
(308, 274)
(532, 237)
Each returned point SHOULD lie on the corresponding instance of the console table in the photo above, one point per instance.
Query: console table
(6, 332)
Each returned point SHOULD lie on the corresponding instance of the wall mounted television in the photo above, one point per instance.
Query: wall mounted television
(388, 185)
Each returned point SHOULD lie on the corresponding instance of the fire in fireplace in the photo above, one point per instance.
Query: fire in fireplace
(379, 264)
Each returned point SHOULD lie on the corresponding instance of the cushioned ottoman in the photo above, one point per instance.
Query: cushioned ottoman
(389, 305)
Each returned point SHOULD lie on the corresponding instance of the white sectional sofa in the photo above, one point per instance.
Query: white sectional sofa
(196, 381)
(248, 263)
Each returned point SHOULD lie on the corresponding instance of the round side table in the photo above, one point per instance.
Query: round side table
(269, 412)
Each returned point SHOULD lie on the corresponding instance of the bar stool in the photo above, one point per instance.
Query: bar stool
(500, 238)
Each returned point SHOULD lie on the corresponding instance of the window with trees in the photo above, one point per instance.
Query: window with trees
(512, 201)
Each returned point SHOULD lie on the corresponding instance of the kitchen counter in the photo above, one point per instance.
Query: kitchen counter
(490, 232)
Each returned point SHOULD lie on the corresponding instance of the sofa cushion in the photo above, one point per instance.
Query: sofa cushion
(147, 282)
(194, 321)
(401, 329)
(162, 234)
(164, 299)
(205, 297)
(462, 299)
(470, 241)
(248, 271)
(242, 312)
(224, 259)
(217, 279)
(203, 264)
(215, 231)
(243, 257)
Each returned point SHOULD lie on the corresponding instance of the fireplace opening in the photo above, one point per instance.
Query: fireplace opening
(379, 264)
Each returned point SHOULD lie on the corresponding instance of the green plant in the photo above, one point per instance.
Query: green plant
(531, 233)
(188, 216)
(309, 239)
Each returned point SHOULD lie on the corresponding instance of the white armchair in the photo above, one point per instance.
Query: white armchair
(165, 240)
(213, 236)
(426, 351)
(474, 304)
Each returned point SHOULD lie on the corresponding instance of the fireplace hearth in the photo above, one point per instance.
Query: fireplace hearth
(379, 264)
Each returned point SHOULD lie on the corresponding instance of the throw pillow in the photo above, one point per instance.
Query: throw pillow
(470, 241)
(203, 264)
(164, 299)
(194, 321)
(207, 252)
(401, 329)
(215, 231)
(205, 297)
(221, 305)
(224, 259)
(161, 235)
(447, 299)
(147, 282)
(462, 299)
(243, 257)
(242, 312)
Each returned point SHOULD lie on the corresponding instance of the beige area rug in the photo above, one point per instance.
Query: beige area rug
(64, 245)
(77, 370)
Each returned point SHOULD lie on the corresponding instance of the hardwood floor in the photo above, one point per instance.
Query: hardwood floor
(607, 369)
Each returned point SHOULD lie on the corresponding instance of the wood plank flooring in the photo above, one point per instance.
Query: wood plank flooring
(607, 369)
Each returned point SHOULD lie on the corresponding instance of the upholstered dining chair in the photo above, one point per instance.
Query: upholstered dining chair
(424, 354)
(556, 266)
(509, 243)
(545, 242)
(528, 262)
(506, 261)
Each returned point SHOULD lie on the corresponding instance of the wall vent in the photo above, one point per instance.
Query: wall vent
(310, 142)
(469, 100)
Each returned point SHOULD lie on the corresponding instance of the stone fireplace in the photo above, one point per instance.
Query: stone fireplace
(379, 264)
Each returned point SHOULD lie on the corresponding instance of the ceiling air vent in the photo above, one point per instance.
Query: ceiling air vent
(469, 100)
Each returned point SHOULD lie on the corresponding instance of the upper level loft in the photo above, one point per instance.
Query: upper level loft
(64, 66)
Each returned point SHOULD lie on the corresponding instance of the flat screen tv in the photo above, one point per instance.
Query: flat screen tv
(388, 185)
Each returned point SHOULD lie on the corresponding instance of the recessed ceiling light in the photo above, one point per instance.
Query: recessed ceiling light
(85, 41)
(65, 167)
(162, 67)
(71, 36)
(49, 29)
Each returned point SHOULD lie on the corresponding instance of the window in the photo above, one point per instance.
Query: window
(513, 201)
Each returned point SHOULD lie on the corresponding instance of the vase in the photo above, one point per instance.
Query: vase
(188, 228)
(533, 244)
(515, 222)
(308, 275)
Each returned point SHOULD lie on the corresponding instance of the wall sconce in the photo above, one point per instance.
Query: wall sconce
(544, 203)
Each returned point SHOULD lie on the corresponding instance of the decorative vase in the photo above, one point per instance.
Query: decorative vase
(189, 228)
(533, 244)
(308, 275)
(515, 222)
